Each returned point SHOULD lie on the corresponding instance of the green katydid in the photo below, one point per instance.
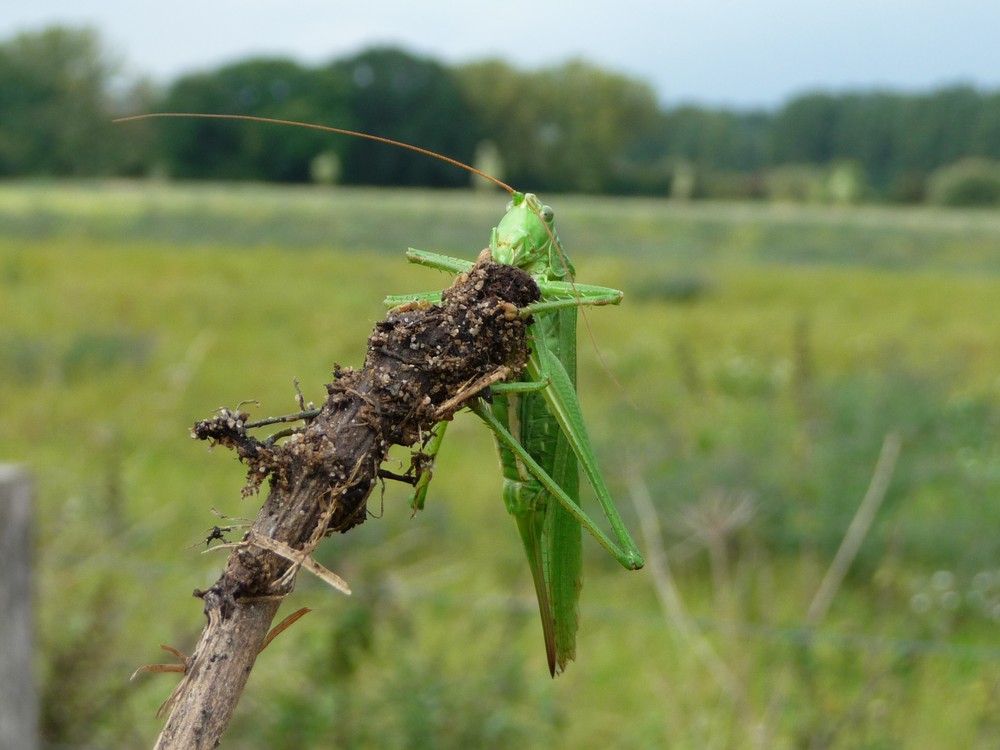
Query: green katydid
(537, 421)
(538, 424)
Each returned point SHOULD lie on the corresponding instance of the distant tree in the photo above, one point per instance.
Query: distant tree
(396, 95)
(199, 148)
(135, 143)
(570, 127)
(986, 130)
(503, 103)
(867, 133)
(937, 128)
(804, 130)
(717, 139)
(894, 138)
(597, 118)
(56, 106)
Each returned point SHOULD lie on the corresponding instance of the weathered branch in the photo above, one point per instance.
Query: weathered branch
(423, 362)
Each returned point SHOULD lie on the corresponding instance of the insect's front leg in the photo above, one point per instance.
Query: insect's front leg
(438, 261)
(446, 263)
(405, 302)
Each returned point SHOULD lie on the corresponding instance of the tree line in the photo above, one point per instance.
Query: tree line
(574, 127)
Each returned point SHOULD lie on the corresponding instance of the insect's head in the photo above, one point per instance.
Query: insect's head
(526, 238)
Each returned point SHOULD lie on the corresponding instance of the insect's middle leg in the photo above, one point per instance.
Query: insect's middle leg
(423, 463)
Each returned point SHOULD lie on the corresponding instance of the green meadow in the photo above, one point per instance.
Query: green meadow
(739, 400)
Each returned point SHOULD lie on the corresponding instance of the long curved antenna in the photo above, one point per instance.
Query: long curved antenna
(328, 129)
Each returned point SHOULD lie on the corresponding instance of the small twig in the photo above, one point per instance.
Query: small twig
(181, 657)
(300, 399)
(298, 416)
(386, 474)
(297, 558)
(469, 391)
(284, 625)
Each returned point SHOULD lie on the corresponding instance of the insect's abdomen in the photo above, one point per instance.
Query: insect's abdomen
(556, 546)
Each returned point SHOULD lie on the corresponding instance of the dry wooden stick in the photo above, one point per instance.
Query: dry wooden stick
(419, 359)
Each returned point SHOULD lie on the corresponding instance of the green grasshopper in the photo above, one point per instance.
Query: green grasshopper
(538, 425)
(537, 421)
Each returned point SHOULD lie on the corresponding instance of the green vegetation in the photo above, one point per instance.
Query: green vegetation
(769, 350)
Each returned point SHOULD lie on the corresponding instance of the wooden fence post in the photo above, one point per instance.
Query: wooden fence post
(18, 696)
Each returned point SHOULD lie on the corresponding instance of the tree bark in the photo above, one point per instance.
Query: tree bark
(423, 363)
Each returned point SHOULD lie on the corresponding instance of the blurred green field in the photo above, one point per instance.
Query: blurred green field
(760, 358)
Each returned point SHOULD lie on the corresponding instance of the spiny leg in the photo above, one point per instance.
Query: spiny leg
(628, 558)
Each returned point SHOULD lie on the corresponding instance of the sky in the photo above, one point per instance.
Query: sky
(711, 52)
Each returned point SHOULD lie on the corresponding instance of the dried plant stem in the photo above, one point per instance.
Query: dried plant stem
(830, 585)
(669, 596)
(857, 531)
(418, 361)
(690, 635)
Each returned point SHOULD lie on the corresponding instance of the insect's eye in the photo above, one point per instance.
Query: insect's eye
(547, 214)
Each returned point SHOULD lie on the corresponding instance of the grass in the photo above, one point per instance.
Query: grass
(770, 350)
